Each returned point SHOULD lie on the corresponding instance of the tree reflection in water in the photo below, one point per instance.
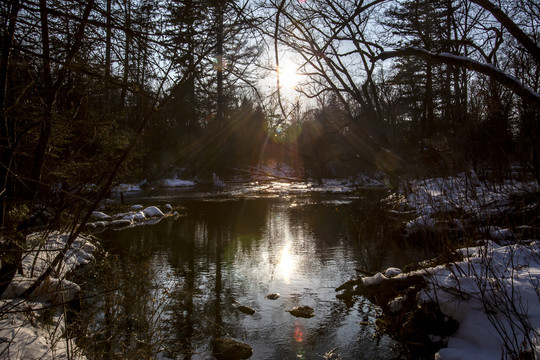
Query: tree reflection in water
(169, 288)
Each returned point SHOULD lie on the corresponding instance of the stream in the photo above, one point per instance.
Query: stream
(165, 290)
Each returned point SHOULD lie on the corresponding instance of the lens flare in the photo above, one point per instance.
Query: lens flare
(298, 333)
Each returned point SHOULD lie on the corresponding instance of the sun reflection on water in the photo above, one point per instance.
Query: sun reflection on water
(286, 265)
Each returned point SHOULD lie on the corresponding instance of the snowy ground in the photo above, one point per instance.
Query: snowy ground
(494, 295)
(463, 194)
(31, 329)
(494, 291)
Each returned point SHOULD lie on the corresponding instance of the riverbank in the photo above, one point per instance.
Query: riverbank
(35, 327)
(480, 298)
(478, 302)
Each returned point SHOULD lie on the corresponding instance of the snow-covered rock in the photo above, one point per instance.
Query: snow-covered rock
(497, 233)
(118, 223)
(153, 211)
(100, 215)
(392, 271)
(396, 304)
(134, 216)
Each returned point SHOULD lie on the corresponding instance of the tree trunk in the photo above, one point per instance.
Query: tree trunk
(219, 63)
(50, 90)
(6, 123)
(49, 99)
(107, 99)
(125, 76)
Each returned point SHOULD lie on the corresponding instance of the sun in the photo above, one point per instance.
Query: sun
(288, 76)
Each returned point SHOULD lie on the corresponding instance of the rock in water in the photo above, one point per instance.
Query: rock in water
(229, 349)
(153, 211)
(246, 309)
(302, 311)
(272, 296)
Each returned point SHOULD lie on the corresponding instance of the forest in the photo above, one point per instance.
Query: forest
(96, 93)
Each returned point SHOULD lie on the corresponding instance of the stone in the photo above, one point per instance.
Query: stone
(302, 311)
(225, 348)
(246, 309)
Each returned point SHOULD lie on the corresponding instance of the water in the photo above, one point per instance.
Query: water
(167, 289)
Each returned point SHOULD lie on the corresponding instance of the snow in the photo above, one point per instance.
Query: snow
(464, 193)
(35, 342)
(396, 304)
(497, 233)
(373, 280)
(24, 335)
(392, 271)
(134, 216)
(176, 183)
(100, 215)
(137, 216)
(153, 211)
(493, 292)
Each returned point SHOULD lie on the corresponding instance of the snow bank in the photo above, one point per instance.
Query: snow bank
(23, 335)
(29, 341)
(47, 246)
(177, 183)
(493, 294)
(462, 194)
